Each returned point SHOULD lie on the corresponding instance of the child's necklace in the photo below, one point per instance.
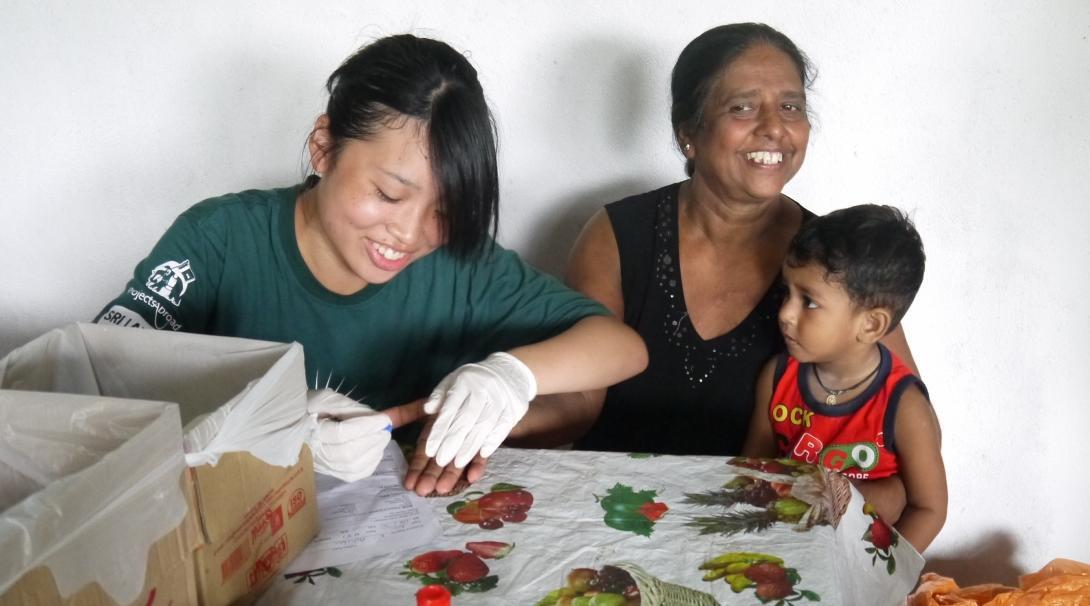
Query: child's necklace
(831, 394)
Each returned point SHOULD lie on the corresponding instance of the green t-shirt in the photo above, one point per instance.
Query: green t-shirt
(230, 266)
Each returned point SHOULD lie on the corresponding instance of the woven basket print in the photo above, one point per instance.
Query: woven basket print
(840, 494)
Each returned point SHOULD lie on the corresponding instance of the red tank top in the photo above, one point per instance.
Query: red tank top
(855, 437)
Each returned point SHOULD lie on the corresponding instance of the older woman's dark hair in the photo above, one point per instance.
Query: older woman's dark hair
(703, 60)
(874, 251)
(404, 76)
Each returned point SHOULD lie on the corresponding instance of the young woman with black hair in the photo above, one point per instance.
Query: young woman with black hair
(382, 265)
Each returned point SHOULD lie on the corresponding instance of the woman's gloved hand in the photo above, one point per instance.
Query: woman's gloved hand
(478, 405)
(350, 437)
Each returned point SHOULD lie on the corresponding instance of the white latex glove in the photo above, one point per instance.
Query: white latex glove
(478, 405)
(350, 437)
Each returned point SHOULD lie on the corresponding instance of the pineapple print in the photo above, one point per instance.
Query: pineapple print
(770, 503)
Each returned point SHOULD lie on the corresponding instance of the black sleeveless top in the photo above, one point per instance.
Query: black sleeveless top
(696, 396)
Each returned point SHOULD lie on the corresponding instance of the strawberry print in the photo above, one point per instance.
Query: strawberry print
(458, 571)
(882, 539)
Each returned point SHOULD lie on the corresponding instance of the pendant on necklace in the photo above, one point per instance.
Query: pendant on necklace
(830, 399)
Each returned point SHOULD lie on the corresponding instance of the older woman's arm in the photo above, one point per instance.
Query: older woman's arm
(594, 269)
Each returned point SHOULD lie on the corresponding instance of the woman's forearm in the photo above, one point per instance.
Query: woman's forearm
(557, 419)
(596, 352)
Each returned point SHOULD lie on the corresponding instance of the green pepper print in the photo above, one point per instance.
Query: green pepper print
(631, 511)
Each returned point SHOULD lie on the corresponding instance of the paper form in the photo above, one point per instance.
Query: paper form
(370, 517)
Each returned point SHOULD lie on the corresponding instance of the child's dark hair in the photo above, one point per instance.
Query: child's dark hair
(874, 251)
(406, 76)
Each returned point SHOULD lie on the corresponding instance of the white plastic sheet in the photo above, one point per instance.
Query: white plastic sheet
(87, 485)
(234, 394)
(78, 458)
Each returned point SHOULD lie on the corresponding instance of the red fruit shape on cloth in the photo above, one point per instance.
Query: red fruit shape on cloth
(506, 503)
(466, 568)
(653, 511)
(782, 490)
(514, 516)
(773, 467)
(765, 573)
(489, 550)
(432, 561)
(747, 462)
(765, 465)
(470, 513)
(760, 493)
(502, 502)
(881, 534)
(774, 591)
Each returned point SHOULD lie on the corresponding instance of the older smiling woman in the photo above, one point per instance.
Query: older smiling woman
(694, 266)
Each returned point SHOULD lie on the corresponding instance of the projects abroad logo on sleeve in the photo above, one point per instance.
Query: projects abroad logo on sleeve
(170, 280)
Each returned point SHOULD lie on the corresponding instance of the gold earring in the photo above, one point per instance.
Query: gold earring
(688, 147)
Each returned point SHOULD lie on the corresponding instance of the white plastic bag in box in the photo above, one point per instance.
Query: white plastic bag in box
(234, 394)
(87, 484)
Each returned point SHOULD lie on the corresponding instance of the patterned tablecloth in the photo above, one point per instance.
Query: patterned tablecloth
(739, 531)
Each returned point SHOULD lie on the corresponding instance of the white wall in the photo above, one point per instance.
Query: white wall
(976, 115)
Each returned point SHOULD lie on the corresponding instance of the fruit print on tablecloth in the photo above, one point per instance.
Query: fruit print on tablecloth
(459, 571)
(503, 503)
(623, 584)
(827, 493)
(763, 492)
(608, 586)
(766, 503)
(631, 511)
(882, 539)
(771, 581)
(789, 467)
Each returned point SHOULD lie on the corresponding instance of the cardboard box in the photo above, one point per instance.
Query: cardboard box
(250, 481)
(254, 519)
(94, 503)
(169, 578)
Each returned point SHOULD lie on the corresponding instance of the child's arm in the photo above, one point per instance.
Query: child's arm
(759, 441)
(887, 495)
(918, 443)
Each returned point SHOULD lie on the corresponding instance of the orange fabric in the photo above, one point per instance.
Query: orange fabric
(1060, 583)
